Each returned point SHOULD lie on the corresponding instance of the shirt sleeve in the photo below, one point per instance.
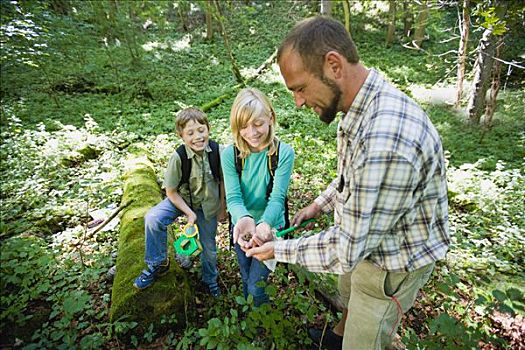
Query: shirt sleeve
(274, 211)
(381, 191)
(232, 186)
(173, 172)
(326, 200)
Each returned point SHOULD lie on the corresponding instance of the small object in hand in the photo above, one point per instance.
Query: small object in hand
(247, 237)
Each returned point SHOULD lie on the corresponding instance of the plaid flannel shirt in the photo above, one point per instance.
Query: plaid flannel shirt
(390, 195)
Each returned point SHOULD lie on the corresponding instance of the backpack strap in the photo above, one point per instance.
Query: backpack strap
(239, 162)
(185, 164)
(273, 163)
(214, 158)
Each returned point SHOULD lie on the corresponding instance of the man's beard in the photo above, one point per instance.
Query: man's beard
(328, 114)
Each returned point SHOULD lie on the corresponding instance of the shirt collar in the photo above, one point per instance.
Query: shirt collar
(352, 120)
(191, 153)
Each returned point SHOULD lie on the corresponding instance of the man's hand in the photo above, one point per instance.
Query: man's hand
(263, 233)
(264, 252)
(243, 231)
(311, 211)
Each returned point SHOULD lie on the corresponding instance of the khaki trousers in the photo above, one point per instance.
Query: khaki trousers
(376, 302)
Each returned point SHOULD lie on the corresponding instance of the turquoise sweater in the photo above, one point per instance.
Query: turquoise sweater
(248, 197)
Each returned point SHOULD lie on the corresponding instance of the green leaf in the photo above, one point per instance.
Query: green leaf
(499, 295)
(514, 294)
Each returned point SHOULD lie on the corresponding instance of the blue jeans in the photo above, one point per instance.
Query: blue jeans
(252, 271)
(156, 224)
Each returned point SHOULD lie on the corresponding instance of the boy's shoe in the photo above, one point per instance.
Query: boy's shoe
(329, 340)
(147, 277)
(183, 260)
(214, 290)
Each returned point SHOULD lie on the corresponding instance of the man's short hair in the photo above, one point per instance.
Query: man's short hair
(314, 37)
(187, 114)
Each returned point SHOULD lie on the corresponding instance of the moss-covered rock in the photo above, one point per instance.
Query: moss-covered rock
(170, 293)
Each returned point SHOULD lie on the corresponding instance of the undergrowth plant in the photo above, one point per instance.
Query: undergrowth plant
(79, 93)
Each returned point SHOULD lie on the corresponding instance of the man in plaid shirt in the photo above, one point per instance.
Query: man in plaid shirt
(390, 195)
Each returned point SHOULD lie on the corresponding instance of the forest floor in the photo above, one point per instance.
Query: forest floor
(70, 121)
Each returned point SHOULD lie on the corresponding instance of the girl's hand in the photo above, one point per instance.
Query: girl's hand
(243, 231)
(263, 233)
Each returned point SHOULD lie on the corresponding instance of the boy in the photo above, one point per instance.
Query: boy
(195, 193)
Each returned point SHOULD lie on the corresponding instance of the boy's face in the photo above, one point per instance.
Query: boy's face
(195, 136)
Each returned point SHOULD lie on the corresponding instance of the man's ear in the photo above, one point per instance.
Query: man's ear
(333, 64)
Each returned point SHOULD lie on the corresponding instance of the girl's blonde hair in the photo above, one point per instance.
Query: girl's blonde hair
(249, 104)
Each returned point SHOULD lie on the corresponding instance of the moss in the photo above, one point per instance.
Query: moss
(171, 293)
(89, 151)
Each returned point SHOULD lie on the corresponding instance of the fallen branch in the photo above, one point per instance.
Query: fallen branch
(263, 66)
(333, 300)
(111, 217)
(229, 92)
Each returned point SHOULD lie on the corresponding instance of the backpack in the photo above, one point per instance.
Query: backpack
(213, 158)
(273, 163)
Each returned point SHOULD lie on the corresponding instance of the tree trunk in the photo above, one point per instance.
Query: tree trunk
(209, 24)
(235, 68)
(494, 87)
(326, 8)
(482, 74)
(462, 52)
(346, 9)
(62, 7)
(169, 295)
(391, 23)
(183, 15)
(421, 23)
(407, 18)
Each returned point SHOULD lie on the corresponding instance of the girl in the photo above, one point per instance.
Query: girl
(255, 191)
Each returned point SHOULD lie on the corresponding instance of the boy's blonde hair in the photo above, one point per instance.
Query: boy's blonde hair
(251, 103)
(187, 114)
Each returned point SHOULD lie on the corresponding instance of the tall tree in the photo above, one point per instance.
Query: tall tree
(391, 22)
(494, 86)
(220, 20)
(407, 18)
(183, 7)
(495, 27)
(326, 7)
(208, 9)
(462, 52)
(421, 23)
(62, 7)
(346, 9)
(482, 73)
